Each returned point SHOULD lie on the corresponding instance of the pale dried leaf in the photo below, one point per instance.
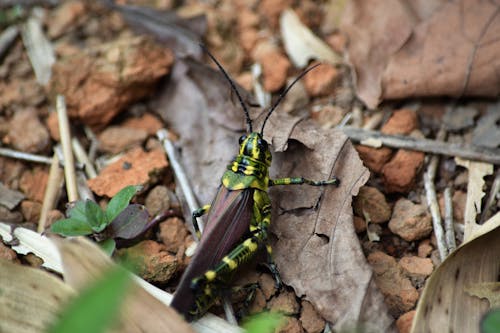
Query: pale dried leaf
(301, 45)
(488, 290)
(477, 172)
(30, 298)
(445, 306)
(83, 262)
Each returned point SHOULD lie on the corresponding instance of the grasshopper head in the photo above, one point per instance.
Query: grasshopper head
(255, 147)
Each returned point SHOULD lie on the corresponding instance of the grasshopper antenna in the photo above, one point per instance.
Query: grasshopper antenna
(283, 94)
(233, 86)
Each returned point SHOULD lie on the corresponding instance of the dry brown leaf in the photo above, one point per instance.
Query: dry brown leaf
(316, 250)
(402, 48)
(488, 290)
(29, 298)
(445, 305)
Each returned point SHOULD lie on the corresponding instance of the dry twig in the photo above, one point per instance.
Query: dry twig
(448, 221)
(426, 145)
(69, 164)
(52, 192)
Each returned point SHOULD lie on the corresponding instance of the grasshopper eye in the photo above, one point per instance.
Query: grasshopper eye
(263, 144)
(242, 138)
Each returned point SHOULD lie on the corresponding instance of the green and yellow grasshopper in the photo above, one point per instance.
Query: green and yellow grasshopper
(238, 218)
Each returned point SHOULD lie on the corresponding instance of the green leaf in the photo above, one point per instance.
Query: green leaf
(71, 227)
(491, 322)
(130, 223)
(97, 307)
(95, 216)
(77, 212)
(263, 322)
(120, 201)
(108, 246)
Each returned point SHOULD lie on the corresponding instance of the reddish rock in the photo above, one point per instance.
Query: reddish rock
(371, 203)
(410, 221)
(258, 303)
(11, 171)
(337, 42)
(402, 121)
(150, 260)
(33, 183)
(31, 210)
(425, 248)
(27, 133)
(311, 321)
(290, 325)
(137, 167)
(275, 67)
(271, 10)
(245, 80)
(52, 124)
(399, 293)
(65, 17)
(101, 81)
(8, 216)
(321, 81)
(285, 302)
(172, 233)
(157, 200)
(147, 122)
(359, 224)
(115, 139)
(268, 285)
(401, 171)
(405, 321)
(374, 158)
(7, 253)
(416, 267)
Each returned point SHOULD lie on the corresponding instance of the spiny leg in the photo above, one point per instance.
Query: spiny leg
(301, 180)
(199, 213)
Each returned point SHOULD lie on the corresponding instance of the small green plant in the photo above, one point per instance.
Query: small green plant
(264, 322)
(491, 322)
(97, 307)
(120, 219)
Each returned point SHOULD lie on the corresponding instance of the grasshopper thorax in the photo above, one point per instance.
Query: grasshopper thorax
(254, 147)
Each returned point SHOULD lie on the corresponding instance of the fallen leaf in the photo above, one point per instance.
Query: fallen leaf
(29, 298)
(445, 305)
(314, 227)
(475, 183)
(301, 44)
(488, 290)
(402, 48)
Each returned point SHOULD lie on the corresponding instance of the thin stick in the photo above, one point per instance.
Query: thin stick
(52, 192)
(25, 156)
(69, 163)
(83, 158)
(180, 175)
(448, 221)
(425, 145)
(430, 192)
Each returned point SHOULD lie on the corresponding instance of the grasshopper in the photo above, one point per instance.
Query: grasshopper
(238, 218)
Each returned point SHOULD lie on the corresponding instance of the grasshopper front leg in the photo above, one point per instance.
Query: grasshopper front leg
(199, 213)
